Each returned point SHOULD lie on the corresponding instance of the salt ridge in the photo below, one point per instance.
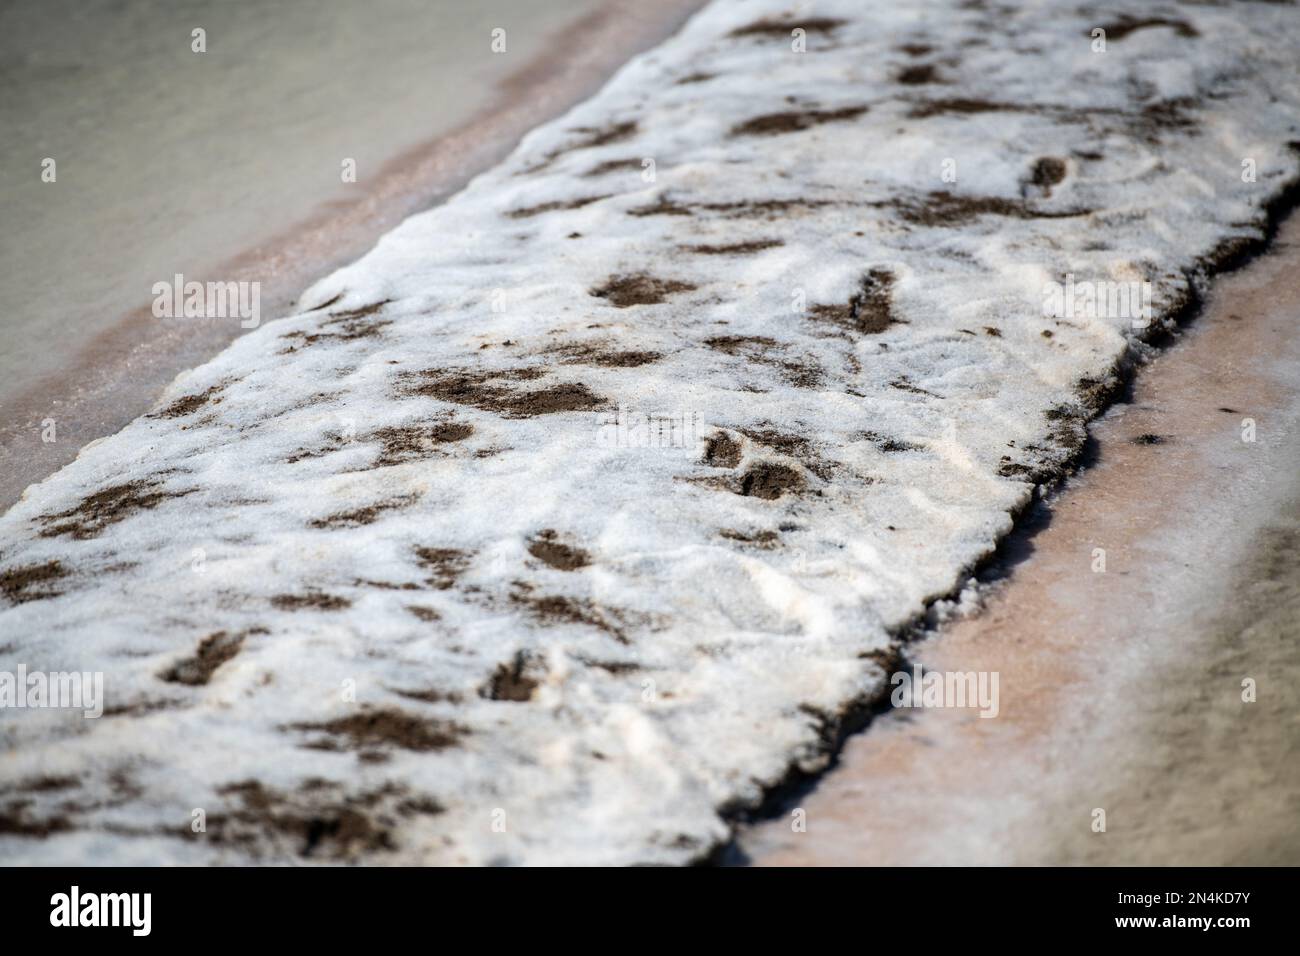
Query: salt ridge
(369, 585)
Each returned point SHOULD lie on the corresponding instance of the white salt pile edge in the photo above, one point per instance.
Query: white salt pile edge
(382, 581)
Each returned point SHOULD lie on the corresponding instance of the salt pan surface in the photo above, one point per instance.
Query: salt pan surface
(374, 584)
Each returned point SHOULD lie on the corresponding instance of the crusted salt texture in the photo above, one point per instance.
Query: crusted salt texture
(382, 581)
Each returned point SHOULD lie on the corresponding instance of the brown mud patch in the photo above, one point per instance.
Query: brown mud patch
(786, 444)
(735, 248)
(547, 547)
(511, 681)
(771, 209)
(403, 443)
(47, 784)
(615, 166)
(1125, 25)
(329, 302)
(1166, 115)
(445, 565)
(346, 326)
(769, 481)
(190, 404)
(553, 609)
(483, 390)
(317, 820)
(801, 373)
(721, 451)
(795, 446)
(428, 695)
(589, 138)
(782, 28)
(357, 517)
(763, 208)
(868, 311)
(32, 582)
(312, 601)
(351, 315)
(746, 345)
(616, 668)
(890, 445)
(545, 207)
(427, 614)
(616, 133)
(662, 206)
(16, 820)
(943, 208)
(398, 443)
(1047, 172)
(606, 358)
(965, 106)
(794, 121)
(140, 707)
(386, 727)
(106, 507)
(903, 385)
(918, 75)
(213, 651)
(759, 539)
(1152, 120)
(640, 289)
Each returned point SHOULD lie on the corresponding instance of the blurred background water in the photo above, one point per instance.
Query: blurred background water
(172, 161)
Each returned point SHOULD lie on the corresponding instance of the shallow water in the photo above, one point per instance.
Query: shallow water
(172, 161)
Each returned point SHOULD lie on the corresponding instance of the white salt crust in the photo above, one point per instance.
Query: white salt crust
(694, 658)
